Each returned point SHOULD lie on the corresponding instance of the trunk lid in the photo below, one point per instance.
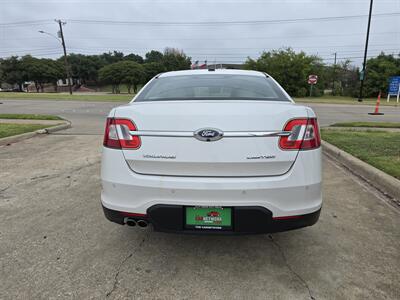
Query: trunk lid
(176, 152)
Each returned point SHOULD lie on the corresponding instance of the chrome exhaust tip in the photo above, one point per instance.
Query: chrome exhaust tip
(130, 222)
(142, 223)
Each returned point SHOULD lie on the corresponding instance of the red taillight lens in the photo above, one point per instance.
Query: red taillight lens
(305, 135)
(312, 138)
(110, 135)
(116, 134)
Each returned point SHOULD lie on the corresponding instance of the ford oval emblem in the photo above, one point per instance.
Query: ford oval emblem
(208, 134)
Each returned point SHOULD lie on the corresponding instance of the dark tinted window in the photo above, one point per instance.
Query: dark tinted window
(212, 87)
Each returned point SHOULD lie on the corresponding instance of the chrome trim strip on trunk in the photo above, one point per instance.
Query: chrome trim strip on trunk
(256, 133)
(227, 134)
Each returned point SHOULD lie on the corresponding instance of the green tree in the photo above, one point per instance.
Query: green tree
(154, 57)
(343, 79)
(133, 74)
(152, 69)
(54, 71)
(111, 57)
(33, 70)
(174, 60)
(112, 74)
(126, 72)
(290, 69)
(85, 68)
(134, 57)
(1, 72)
(379, 69)
(13, 72)
(41, 71)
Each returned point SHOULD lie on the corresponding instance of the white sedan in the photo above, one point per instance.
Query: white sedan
(212, 151)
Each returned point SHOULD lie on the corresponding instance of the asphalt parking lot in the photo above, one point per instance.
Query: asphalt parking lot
(55, 241)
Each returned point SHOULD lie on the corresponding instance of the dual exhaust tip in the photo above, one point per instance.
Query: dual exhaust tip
(133, 222)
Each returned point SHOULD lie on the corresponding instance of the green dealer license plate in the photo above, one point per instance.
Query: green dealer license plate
(219, 218)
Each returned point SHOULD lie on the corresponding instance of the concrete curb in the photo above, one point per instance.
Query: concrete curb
(383, 182)
(24, 136)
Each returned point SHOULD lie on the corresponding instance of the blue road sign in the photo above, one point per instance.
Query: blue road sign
(394, 85)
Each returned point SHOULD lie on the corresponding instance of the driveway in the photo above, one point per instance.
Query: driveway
(55, 241)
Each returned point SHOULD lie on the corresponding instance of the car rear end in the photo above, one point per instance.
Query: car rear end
(223, 165)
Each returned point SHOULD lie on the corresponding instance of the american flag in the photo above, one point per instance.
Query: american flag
(195, 65)
(203, 66)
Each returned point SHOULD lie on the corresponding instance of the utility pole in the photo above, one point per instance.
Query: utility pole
(334, 75)
(60, 23)
(362, 75)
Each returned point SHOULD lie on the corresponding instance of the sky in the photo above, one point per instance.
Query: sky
(219, 31)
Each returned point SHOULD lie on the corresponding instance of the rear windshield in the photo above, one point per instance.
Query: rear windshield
(212, 87)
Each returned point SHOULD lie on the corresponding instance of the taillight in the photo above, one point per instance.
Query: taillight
(116, 134)
(304, 135)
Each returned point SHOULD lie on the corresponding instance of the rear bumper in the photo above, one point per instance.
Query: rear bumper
(246, 220)
(298, 192)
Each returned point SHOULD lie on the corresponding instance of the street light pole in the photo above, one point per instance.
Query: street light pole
(362, 75)
(62, 41)
(60, 23)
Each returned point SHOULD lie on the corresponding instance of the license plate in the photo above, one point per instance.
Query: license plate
(217, 218)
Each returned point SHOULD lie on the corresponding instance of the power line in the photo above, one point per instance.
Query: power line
(232, 60)
(135, 49)
(212, 39)
(238, 48)
(339, 58)
(213, 23)
(37, 54)
(206, 23)
(324, 57)
(244, 57)
(26, 23)
(27, 50)
(245, 54)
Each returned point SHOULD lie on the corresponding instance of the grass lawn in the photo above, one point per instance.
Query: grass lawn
(29, 117)
(65, 97)
(108, 88)
(102, 97)
(14, 129)
(343, 100)
(378, 148)
(368, 124)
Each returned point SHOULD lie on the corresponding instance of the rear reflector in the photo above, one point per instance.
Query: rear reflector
(305, 135)
(128, 214)
(286, 218)
(117, 136)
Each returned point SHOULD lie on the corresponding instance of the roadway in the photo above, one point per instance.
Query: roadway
(88, 117)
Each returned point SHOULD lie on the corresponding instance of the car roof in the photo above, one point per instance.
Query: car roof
(216, 71)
